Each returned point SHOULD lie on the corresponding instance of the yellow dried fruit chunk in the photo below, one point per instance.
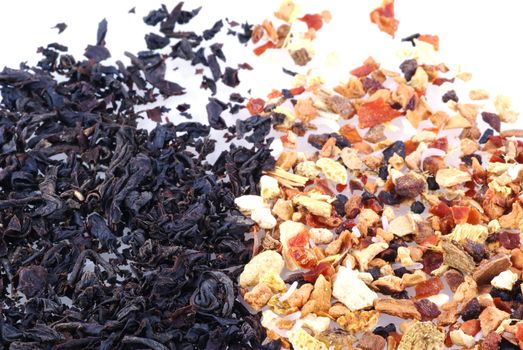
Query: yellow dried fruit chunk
(314, 206)
(262, 263)
(308, 169)
(302, 340)
(333, 170)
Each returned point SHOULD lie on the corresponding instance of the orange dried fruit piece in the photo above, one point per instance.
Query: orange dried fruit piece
(383, 16)
(350, 133)
(368, 67)
(431, 39)
(429, 287)
(376, 112)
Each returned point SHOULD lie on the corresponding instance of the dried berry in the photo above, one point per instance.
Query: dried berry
(450, 95)
(417, 207)
(492, 119)
(432, 184)
(384, 331)
(397, 147)
(486, 135)
(471, 310)
(408, 67)
(476, 250)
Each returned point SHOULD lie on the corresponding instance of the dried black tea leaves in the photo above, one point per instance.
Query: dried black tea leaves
(112, 236)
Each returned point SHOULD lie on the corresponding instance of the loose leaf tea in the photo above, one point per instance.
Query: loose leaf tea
(113, 237)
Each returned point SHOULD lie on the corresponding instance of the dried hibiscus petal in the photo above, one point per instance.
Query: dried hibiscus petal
(383, 16)
(376, 112)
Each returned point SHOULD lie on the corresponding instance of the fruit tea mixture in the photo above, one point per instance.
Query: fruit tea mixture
(368, 238)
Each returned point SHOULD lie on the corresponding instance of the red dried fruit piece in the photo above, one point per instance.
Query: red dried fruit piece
(410, 146)
(340, 187)
(448, 341)
(429, 287)
(368, 67)
(427, 309)
(474, 217)
(460, 214)
(431, 39)
(303, 256)
(300, 240)
(519, 332)
(297, 91)
(255, 105)
(350, 133)
(509, 240)
(261, 49)
(471, 327)
(274, 93)
(323, 268)
(441, 210)
(432, 260)
(441, 143)
(383, 16)
(314, 21)
(376, 112)
(440, 81)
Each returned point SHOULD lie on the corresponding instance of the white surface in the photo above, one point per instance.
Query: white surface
(481, 36)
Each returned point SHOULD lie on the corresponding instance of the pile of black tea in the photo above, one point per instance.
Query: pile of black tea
(112, 236)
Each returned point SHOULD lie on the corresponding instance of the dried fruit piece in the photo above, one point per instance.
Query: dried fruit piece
(262, 263)
(383, 16)
(352, 291)
(333, 170)
(258, 296)
(427, 309)
(375, 112)
(410, 185)
(451, 177)
(429, 287)
(491, 318)
(357, 321)
(302, 340)
(403, 308)
(371, 341)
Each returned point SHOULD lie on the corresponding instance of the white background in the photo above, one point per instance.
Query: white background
(484, 37)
